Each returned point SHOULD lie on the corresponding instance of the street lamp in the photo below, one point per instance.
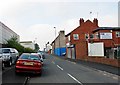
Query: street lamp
(46, 46)
(55, 31)
(54, 40)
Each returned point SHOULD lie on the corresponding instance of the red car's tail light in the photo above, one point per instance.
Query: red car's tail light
(39, 64)
(18, 62)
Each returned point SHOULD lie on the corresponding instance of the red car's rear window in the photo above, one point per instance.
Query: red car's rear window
(29, 57)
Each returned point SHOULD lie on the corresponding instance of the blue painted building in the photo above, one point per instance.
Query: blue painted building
(60, 51)
(58, 45)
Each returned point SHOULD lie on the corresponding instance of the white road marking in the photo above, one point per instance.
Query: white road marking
(104, 74)
(115, 78)
(60, 67)
(99, 71)
(74, 79)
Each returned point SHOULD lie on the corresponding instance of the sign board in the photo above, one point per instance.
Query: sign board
(96, 49)
(106, 35)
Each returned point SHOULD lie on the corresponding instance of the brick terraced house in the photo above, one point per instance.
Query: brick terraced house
(76, 40)
(90, 42)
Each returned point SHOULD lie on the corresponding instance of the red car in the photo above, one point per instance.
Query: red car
(28, 63)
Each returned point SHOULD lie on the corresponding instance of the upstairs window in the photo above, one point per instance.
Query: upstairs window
(117, 34)
(75, 36)
(86, 36)
(91, 36)
(96, 36)
(106, 35)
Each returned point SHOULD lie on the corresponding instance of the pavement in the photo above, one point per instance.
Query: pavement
(94, 65)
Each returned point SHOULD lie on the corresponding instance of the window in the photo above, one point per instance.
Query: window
(86, 36)
(6, 50)
(96, 36)
(117, 34)
(75, 36)
(106, 35)
(91, 36)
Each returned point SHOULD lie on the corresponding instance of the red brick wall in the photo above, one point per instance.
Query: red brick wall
(102, 60)
(81, 50)
(108, 61)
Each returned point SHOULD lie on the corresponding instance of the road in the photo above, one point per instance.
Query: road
(56, 70)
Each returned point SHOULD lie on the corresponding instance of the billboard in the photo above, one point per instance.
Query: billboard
(96, 49)
(106, 35)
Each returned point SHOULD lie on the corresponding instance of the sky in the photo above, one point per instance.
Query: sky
(34, 20)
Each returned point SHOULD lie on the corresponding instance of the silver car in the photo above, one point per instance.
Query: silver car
(9, 55)
(41, 58)
(1, 61)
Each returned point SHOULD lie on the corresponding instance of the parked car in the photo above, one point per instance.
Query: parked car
(1, 60)
(9, 55)
(42, 53)
(39, 54)
(41, 57)
(29, 63)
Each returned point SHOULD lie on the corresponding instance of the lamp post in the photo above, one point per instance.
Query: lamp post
(55, 31)
(46, 46)
(54, 41)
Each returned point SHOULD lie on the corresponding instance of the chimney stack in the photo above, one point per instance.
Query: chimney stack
(95, 21)
(81, 21)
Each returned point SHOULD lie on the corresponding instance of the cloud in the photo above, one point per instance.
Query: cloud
(43, 33)
(7, 6)
(108, 21)
(69, 25)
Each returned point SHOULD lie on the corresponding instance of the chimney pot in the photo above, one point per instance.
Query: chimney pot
(95, 21)
(81, 21)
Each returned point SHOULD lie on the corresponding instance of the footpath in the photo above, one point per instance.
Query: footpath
(98, 66)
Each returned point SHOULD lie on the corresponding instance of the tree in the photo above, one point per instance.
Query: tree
(13, 43)
(36, 47)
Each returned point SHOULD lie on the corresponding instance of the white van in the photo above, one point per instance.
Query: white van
(9, 55)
